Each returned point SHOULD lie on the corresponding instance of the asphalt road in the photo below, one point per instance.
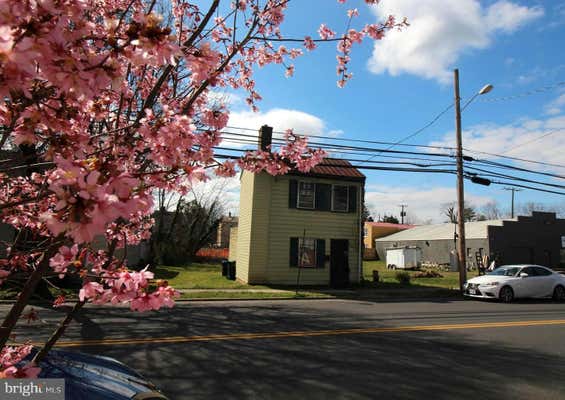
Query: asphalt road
(331, 349)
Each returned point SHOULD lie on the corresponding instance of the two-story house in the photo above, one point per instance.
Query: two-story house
(301, 225)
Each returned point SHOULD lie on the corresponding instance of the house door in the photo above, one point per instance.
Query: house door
(339, 263)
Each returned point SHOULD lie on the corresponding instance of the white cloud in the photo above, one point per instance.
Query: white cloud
(556, 105)
(533, 139)
(228, 98)
(424, 203)
(278, 118)
(509, 61)
(440, 31)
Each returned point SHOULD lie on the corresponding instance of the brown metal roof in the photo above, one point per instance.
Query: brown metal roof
(333, 167)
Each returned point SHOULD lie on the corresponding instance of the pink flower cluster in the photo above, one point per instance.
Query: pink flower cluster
(123, 286)
(10, 357)
(87, 201)
(65, 257)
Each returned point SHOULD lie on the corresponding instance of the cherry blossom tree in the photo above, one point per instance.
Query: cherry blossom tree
(103, 102)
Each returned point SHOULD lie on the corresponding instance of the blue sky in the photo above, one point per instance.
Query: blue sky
(403, 82)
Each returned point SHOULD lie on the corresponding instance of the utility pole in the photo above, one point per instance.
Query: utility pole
(513, 190)
(402, 213)
(460, 189)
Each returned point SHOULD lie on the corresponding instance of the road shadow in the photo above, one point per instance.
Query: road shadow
(406, 365)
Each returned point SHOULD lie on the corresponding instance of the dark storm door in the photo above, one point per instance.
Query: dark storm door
(339, 264)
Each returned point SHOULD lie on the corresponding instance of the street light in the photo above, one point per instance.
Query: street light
(461, 258)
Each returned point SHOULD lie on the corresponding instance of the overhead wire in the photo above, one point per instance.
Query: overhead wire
(549, 133)
(541, 89)
(402, 144)
(347, 150)
(514, 158)
(405, 158)
(342, 139)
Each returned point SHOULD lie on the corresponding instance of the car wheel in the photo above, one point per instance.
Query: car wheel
(559, 293)
(506, 294)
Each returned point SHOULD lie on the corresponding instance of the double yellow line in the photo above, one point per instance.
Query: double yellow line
(332, 332)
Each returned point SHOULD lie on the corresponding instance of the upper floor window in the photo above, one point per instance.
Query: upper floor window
(306, 195)
(320, 196)
(340, 198)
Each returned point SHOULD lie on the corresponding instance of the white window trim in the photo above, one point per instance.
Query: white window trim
(347, 206)
(298, 196)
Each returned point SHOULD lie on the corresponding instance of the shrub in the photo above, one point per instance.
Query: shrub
(428, 273)
(403, 277)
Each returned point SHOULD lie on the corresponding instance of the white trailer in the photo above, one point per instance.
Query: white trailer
(403, 258)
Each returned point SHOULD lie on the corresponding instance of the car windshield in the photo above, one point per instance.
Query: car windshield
(505, 271)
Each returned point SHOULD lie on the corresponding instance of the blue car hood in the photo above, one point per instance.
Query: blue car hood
(92, 377)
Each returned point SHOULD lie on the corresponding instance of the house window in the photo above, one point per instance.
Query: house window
(365, 232)
(340, 198)
(306, 195)
(307, 251)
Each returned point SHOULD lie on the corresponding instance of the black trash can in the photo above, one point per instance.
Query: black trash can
(231, 270)
(225, 267)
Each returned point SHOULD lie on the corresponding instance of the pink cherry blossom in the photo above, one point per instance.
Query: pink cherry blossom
(112, 102)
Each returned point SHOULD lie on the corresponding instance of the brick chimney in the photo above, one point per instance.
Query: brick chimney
(265, 137)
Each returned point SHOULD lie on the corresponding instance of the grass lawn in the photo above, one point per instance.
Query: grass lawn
(450, 280)
(209, 278)
(199, 276)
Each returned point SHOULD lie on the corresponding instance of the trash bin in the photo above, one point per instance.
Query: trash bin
(225, 267)
(231, 270)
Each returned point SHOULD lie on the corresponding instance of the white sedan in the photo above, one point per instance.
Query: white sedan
(517, 281)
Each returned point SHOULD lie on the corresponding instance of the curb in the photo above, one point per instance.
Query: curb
(383, 298)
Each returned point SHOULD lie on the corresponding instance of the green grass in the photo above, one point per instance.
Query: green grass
(209, 276)
(199, 276)
(450, 280)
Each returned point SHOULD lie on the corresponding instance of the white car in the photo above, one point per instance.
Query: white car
(517, 281)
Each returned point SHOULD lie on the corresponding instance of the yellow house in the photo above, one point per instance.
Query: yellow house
(304, 227)
(375, 230)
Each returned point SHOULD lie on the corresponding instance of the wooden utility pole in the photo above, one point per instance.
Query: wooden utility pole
(513, 191)
(402, 212)
(460, 188)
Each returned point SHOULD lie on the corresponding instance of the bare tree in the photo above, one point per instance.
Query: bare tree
(528, 207)
(491, 210)
(449, 210)
(186, 223)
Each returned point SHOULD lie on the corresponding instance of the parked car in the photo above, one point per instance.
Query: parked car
(509, 282)
(92, 377)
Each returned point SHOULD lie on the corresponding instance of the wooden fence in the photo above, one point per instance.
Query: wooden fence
(213, 253)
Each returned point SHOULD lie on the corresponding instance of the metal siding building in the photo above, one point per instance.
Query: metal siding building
(527, 239)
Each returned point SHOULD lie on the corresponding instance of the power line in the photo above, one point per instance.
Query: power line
(400, 144)
(514, 158)
(433, 121)
(498, 175)
(351, 150)
(346, 139)
(551, 132)
(495, 164)
(371, 149)
(541, 89)
(469, 176)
